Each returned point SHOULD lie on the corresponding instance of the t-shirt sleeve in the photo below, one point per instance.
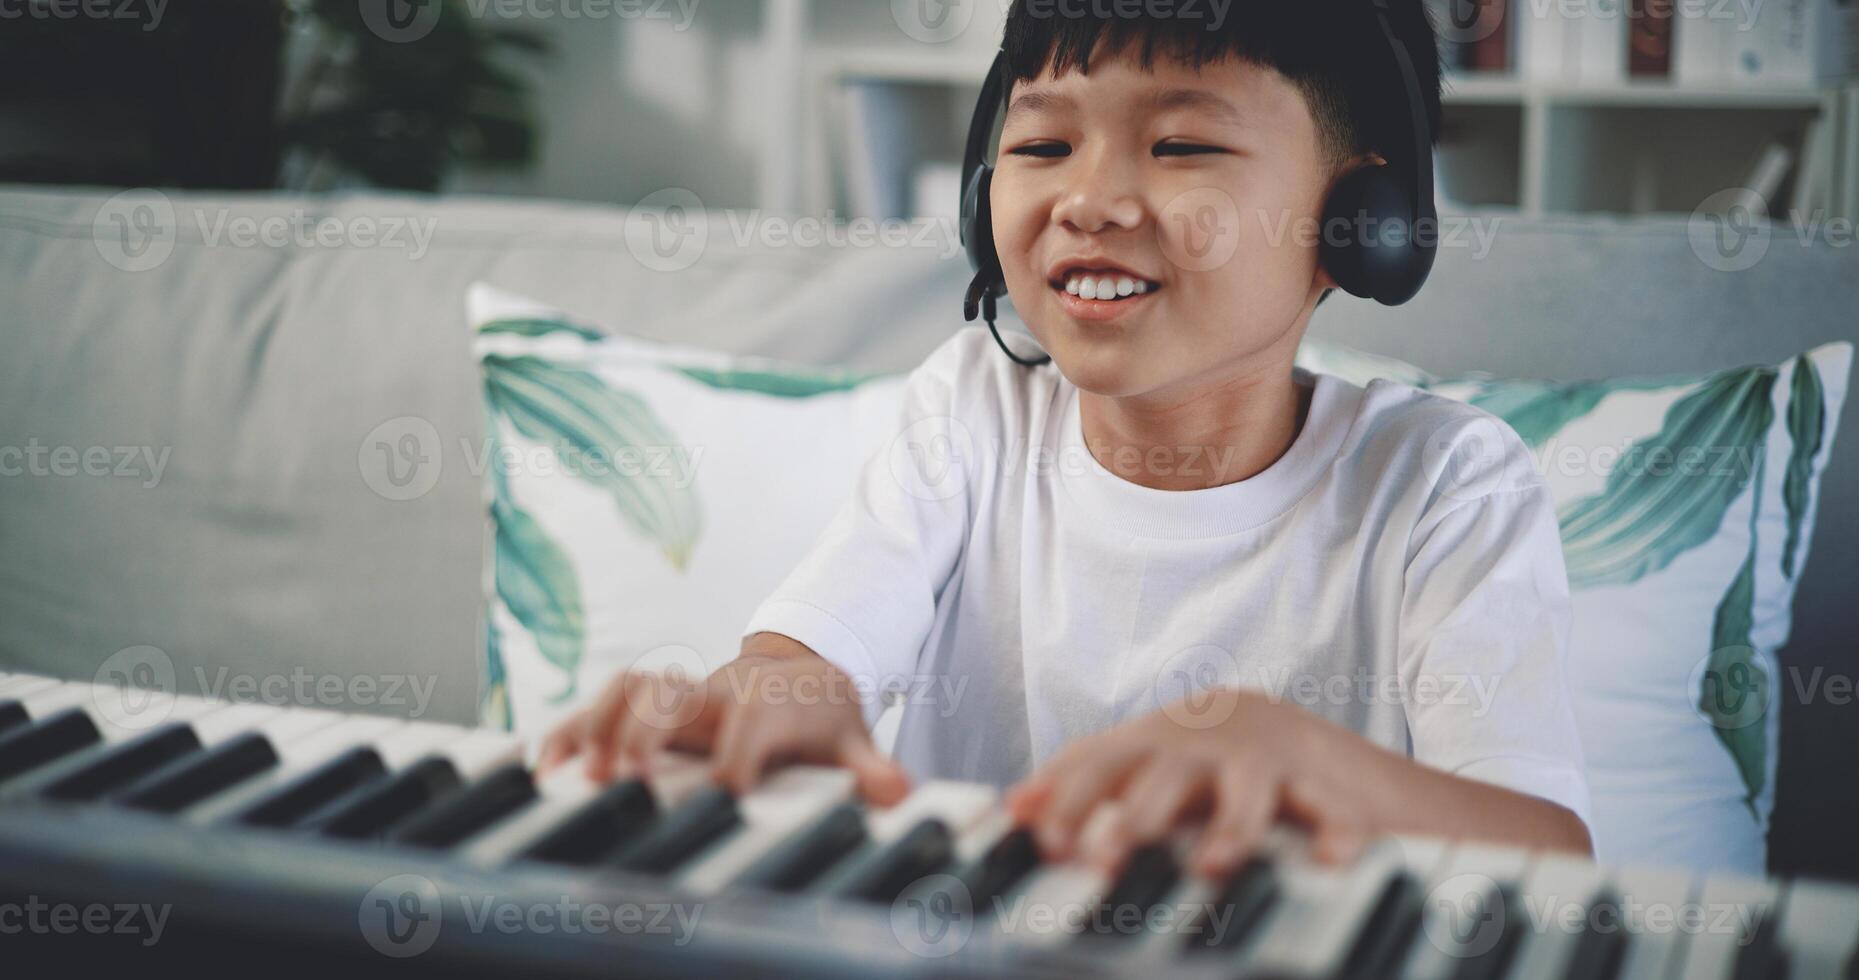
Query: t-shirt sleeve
(1483, 648)
(865, 596)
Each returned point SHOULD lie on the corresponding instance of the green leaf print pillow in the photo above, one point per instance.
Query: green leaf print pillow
(1686, 505)
(643, 498)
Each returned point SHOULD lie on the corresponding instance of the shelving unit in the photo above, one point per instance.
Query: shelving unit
(1506, 143)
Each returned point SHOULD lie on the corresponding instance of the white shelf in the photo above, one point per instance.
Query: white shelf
(1509, 90)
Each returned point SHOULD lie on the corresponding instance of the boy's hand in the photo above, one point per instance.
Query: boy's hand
(758, 712)
(1233, 756)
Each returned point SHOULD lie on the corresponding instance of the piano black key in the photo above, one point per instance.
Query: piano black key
(1598, 953)
(924, 850)
(450, 819)
(1495, 962)
(192, 778)
(1147, 878)
(12, 715)
(1009, 859)
(599, 827)
(52, 737)
(1763, 957)
(798, 861)
(680, 834)
(294, 801)
(370, 809)
(1238, 909)
(1388, 931)
(125, 762)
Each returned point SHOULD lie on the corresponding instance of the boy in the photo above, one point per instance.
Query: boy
(1168, 576)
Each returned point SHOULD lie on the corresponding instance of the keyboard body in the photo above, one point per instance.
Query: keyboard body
(143, 831)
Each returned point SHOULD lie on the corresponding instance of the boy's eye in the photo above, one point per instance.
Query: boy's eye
(1184, 149)
(1042, 150)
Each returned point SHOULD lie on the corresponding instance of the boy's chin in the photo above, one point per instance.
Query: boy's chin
(1108, 372)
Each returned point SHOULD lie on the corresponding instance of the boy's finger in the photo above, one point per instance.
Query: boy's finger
(603, 727)
(1154, 799)
(880, 779)
(742, 751)
(1076, 792)
(561, 745)
(1242, 814)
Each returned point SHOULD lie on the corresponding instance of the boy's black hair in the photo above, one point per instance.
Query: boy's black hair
(1331, 50)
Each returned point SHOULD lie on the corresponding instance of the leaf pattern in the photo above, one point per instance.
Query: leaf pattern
(1807, 409)
(780, 384)
(1734, 692)
(570, 409)
(539, 327)
(494, 705)
(537, 582)
(1648, 515)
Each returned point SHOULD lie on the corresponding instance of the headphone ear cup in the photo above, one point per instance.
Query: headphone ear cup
(978, 229)
(1370, 244)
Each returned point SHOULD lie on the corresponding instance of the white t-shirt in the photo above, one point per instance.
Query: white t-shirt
(1398, 571)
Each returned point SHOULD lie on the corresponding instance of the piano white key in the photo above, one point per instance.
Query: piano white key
(1321, 910)
(1463, 915)
(960, 805)
(788, 802)
(476, 752)
(1558, 893)
(1731, 903)
(18, 688)
(1819, 929)
(1655, 902)
(1053, 904)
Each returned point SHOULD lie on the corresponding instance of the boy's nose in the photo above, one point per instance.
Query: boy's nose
(1101, 200)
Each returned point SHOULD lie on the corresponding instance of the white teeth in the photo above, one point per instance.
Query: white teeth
(1105, 287)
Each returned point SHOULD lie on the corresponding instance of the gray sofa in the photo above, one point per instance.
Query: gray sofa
(242, 379)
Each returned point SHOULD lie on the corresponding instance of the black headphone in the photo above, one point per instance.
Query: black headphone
(1374, 201)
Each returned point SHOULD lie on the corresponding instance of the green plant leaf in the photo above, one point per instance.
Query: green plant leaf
(1807, 410)
(537, 582)
(592, 428)
(494, 705)
(1656, 506)
(780, 384)
(1540, 409)
(532, 327)
(1734, 675)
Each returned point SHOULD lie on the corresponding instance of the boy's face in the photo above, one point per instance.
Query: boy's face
(1198, 188)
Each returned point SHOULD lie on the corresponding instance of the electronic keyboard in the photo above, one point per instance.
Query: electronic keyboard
(146, 830)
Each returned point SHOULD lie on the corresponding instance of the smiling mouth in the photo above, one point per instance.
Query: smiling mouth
(1104, 286)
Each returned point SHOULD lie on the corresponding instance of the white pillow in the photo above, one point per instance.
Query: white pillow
(658, 558)
(1682, 584)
